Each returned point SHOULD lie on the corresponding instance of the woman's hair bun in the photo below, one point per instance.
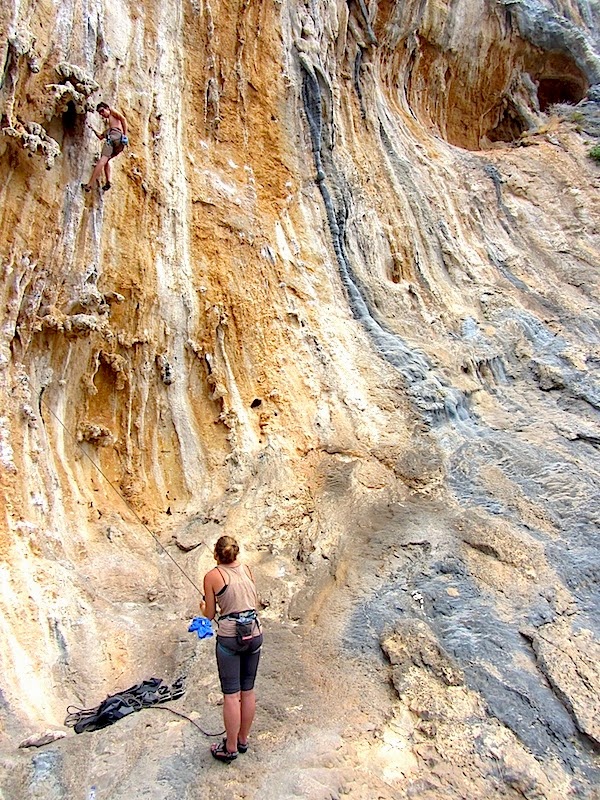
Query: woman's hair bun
(227, 549)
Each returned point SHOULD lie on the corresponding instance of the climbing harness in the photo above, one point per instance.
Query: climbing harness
(116, 139)
(244, 624)
(120, 133)
(248, 615)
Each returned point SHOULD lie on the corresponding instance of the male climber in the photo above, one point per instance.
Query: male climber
(115, 139)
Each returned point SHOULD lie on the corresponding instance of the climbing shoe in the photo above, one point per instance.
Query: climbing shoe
(106, 186)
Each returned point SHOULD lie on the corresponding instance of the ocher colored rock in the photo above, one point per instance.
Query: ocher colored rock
(341, 302)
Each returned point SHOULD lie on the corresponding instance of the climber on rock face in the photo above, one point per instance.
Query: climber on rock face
(115, 139)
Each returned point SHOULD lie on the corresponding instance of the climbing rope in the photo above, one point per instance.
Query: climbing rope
(147, 694)
(125, 501)
(117, 706)
(185, 716)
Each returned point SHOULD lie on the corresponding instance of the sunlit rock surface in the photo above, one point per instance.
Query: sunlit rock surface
(341, 302)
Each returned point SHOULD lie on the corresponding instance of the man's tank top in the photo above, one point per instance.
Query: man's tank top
(238, 595)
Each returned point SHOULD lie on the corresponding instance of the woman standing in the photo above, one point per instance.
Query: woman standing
(230, 585)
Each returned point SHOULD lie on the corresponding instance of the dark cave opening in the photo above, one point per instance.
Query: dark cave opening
(510, 127)
(555, 80)
(559, 90)
(69, 119)
(497, 103)
(67, 129)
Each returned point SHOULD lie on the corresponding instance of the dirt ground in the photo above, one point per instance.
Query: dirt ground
(335, 718)
(328, 722)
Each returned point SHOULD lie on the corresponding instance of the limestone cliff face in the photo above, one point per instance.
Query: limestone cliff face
(342, 302)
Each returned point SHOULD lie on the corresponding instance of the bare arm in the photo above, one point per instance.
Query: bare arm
(99, 135)
(213, 582)
(208, 605)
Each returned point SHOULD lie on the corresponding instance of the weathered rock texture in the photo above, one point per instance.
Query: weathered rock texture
(342, 302)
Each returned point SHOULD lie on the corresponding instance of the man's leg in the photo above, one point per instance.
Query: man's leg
(102, 162)
(232, 716)
(107, 172)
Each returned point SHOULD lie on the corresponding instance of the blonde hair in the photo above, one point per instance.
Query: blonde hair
(226, 549)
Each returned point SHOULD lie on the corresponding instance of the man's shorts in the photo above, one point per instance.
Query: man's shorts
(112, 147)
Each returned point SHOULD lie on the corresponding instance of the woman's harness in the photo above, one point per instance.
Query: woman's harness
(244, 624)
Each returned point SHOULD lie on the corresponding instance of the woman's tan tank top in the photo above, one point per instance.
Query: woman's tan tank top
(238, 595)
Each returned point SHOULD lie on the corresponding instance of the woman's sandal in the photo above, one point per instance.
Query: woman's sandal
(221, 753)
(242, 748)
(86, 188)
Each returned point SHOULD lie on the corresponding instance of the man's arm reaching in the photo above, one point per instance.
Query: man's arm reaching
(99, 135)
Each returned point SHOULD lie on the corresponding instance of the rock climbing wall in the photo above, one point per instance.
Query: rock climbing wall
(341, 302)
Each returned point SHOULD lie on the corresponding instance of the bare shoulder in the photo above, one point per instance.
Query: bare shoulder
(214, 578)
(211, 574)
(116, 116)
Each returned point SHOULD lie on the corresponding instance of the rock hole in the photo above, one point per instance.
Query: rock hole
(497, 101)
(69, 119)
(256, 402)
(509, 128)
(559, 90)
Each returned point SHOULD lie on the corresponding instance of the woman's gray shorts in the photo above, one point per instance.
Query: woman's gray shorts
(237, 664)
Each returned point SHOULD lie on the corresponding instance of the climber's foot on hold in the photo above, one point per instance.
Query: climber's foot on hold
(106, 186)
(86, 187)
